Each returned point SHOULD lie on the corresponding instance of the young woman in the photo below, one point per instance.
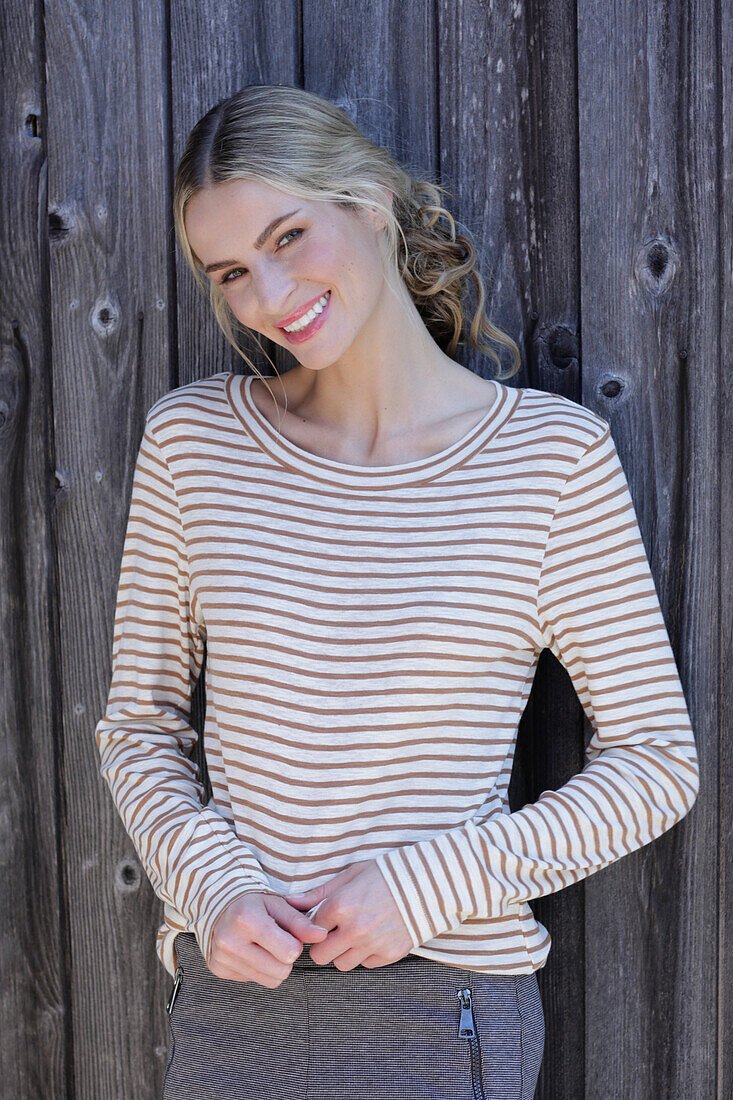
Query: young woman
(375, 552)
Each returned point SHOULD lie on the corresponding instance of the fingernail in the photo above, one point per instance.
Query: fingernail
(319, 928)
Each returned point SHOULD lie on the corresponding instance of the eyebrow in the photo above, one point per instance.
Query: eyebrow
(259, 243)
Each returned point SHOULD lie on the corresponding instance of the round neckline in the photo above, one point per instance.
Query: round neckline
(266, 437)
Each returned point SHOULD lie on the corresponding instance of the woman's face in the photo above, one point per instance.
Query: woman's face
(275, 257)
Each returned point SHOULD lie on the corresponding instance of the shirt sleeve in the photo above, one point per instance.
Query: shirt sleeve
(192, 856)
(598, 611)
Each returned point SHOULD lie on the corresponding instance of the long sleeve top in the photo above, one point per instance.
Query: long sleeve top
(372, 633)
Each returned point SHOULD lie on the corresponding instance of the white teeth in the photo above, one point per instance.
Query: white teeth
(311, 315)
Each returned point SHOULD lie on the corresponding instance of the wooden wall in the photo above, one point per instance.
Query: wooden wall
(589, 150)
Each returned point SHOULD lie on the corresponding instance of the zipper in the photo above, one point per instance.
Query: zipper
(467, 1030)
(177, 979)
(174, 992)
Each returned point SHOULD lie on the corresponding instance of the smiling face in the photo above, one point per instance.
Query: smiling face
(276, 258)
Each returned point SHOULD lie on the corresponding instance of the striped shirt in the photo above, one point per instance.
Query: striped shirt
(371, 635)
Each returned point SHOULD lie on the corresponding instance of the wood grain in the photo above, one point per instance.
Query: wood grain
(589, 151)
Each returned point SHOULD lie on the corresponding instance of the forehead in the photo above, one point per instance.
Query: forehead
(237, 209)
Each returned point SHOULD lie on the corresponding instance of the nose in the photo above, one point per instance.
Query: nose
(275, 295)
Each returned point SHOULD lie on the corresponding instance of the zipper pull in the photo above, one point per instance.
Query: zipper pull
(174, 992)
(467, 1023)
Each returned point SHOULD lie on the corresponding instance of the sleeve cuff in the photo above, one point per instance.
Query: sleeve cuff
(439, 882)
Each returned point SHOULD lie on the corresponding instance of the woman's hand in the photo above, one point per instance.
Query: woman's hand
(258, 937)
(365, 926)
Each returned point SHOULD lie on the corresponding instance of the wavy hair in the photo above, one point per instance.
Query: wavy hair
(307, 147)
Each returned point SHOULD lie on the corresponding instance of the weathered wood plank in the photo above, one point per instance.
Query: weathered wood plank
(36, 1037)
(108, 198)
(649, 286)
(719, 542)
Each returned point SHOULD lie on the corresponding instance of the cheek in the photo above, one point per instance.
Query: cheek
(349, 267)
(245, 308)
(320, 259)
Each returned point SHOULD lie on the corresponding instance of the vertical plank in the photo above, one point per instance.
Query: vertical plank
(649, 283)
(108, 305)
(35, 1042)
(36, 1039)
(722, 546)
(508, 152)
(383, 79)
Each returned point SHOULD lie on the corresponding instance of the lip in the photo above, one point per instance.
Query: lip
(303, 309)
(306, 333)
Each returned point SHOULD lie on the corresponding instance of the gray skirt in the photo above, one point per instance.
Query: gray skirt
(413, 1029)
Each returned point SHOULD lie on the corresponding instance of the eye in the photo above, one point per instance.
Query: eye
(228, 277)
(289, 232)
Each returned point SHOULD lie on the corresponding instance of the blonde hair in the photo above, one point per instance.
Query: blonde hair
(309, 148)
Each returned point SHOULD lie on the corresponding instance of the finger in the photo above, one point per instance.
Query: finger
(320, 893)
(290, 920)
(252, 963)
(307, 899)
(349, 960)
(371, 962)
(344, 957)
(268, 938)
(241, 969)
(339, 944)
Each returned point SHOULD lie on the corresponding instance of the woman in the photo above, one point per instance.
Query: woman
(375, 553)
